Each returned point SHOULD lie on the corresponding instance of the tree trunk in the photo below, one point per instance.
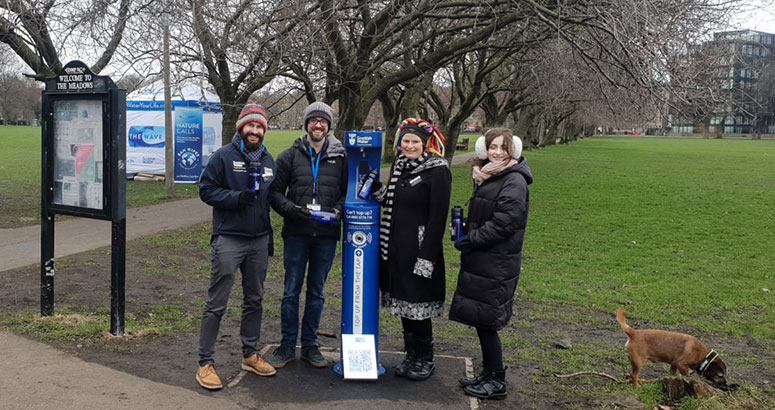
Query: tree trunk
(353, 110)
(494, 116)
(229, 122)
(390, 114)
(449, 147)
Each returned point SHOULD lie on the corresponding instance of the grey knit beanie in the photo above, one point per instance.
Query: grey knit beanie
(319, 109)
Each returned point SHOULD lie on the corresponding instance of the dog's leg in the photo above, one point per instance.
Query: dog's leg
(636, 367)
(683, 368)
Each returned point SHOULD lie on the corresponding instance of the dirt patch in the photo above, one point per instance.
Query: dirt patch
(167, 278)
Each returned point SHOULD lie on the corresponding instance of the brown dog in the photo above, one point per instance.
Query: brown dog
(681, 351)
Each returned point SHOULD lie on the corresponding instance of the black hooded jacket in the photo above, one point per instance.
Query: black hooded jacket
(293, 187)
(489, 271)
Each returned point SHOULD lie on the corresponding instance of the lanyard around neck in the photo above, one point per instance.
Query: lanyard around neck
(315, 164)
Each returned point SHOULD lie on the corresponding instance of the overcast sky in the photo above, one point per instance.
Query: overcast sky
(760, 16)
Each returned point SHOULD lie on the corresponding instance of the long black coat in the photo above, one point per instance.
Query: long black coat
(497, 216)
(420, 207)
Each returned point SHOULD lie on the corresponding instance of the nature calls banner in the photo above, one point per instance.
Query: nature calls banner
(188, 144)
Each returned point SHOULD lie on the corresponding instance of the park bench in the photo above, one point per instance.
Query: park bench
(462, 144)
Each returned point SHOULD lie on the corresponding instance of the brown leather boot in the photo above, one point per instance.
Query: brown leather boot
(258, 365)
(208, 378)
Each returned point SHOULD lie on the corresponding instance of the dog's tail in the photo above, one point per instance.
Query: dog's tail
(620, 318)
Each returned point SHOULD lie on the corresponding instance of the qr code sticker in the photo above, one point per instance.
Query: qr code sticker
(360, 360)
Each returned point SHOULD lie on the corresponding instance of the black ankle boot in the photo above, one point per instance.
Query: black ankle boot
(423, 366)
(411, 355)
(492, 387)
(471, 381)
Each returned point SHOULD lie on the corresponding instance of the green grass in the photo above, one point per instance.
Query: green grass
(72, 323)
(678, 231)
(20, 153)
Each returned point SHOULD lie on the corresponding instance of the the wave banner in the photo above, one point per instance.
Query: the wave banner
(146, 137)
(188, 144)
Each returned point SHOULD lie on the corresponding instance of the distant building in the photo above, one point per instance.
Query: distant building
(743, 55)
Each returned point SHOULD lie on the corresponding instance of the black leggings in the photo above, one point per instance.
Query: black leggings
(492, 352)
(423, 329)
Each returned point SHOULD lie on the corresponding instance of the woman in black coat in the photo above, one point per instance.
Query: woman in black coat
(412, 277)
(491, 253)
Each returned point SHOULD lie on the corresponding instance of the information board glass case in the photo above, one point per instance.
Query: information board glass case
(78, 153)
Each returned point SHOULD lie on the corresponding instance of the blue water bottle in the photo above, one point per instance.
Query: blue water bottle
(254, 175)
(457, 222)
(368, 182)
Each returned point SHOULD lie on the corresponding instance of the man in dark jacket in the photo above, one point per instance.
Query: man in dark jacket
(309, 193)
(236, 184)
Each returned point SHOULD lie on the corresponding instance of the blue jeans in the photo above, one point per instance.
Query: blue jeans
(298, 250)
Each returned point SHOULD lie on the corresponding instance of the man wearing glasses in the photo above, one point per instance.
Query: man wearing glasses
(309, 193)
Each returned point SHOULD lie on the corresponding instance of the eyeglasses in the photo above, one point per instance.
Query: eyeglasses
(318, 120)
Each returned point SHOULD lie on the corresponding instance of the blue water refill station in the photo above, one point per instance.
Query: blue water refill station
(360, 257)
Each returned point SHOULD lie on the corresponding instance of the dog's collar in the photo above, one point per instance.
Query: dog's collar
(712, 355)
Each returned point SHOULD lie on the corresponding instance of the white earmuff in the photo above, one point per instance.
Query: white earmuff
(517, 147)
(480, 148)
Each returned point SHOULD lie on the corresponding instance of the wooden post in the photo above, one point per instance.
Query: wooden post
(169, 152)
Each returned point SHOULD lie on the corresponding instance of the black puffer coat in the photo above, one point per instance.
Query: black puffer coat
(294, 185)
(497, 216)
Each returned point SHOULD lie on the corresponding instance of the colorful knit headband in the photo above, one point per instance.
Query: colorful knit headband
(431, 136)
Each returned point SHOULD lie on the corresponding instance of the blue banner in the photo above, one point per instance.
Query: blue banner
(146, 137)
(188, 144)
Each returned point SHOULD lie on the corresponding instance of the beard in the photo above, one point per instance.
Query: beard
(317, 138)
(252, 146)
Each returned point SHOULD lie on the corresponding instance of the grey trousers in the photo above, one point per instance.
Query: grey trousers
(228, 253)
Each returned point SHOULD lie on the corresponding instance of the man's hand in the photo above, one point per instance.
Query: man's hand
(301, 212)
(247, 197)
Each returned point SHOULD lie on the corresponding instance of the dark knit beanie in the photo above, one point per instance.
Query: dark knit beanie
(415, 129)
(251, 112)
(431, 137)
(319, 109)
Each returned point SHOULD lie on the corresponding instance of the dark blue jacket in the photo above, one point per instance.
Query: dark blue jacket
(220, 185)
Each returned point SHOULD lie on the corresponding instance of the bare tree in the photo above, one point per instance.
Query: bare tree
(240, 46)
(41, 33)
(364, 45)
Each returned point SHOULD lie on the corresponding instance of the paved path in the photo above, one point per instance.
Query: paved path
(38, 376)
(41, 377)
(21, 246)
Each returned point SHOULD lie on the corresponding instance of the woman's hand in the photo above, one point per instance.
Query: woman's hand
(463, 244)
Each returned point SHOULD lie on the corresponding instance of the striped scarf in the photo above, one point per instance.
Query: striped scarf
(401, 165)
(251, 156)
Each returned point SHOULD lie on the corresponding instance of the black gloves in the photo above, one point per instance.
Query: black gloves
(375, 186)
(247, 197)
(463, 244)
(338, 217)
(301, 212)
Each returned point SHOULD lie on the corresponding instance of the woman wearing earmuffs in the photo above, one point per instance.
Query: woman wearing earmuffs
(412, 277)
(491, 253)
